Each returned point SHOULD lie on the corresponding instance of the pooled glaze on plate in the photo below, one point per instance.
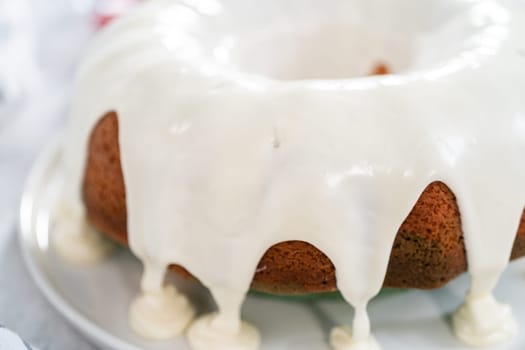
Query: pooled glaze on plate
(226, 150)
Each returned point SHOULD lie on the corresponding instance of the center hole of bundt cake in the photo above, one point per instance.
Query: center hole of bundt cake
(323, 51)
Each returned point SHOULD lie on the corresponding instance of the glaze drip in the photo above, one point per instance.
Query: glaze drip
(205, 181)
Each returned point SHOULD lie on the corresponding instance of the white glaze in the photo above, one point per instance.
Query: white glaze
(206, 334)
(160, 314)
(483, 322)
(342, 338)
(78, 242)
(220, 164)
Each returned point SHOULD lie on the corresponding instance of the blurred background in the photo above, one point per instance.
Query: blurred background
(40, 44)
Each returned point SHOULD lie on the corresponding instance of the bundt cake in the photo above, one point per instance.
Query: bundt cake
(227, 141)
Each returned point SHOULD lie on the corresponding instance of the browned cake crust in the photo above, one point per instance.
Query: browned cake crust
(428, 251)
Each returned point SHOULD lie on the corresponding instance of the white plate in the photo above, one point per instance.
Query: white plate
(95, 299)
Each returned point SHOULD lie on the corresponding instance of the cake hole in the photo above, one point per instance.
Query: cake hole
(380, 69)
(323, 52)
